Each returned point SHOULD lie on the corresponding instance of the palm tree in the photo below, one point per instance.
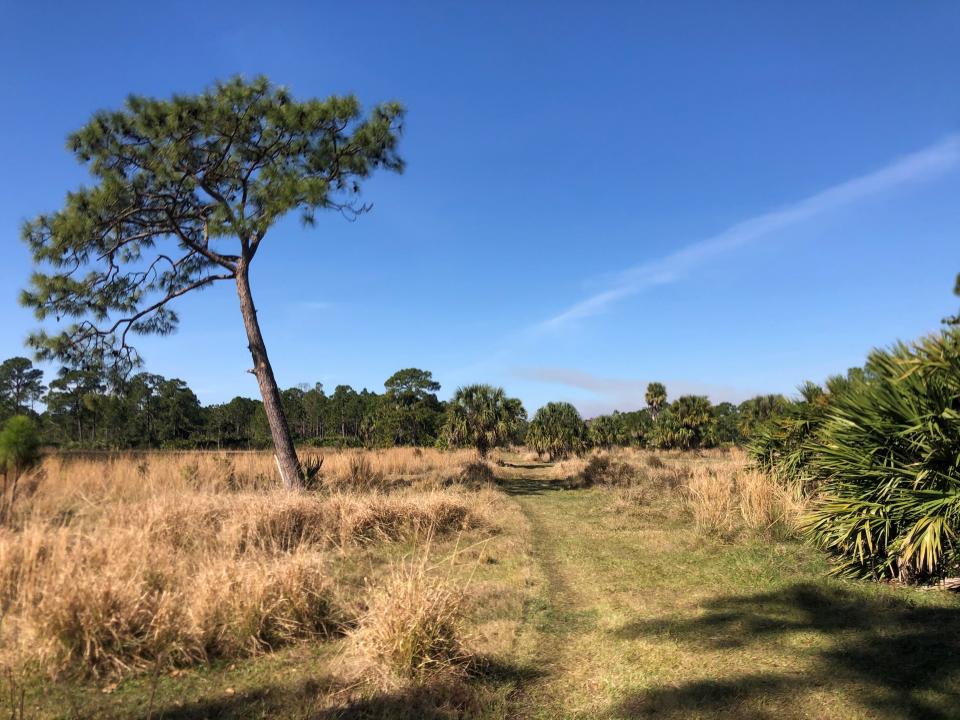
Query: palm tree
(656, 398)
(606, 431)
(483, 416)
(759, 409)
(557, 429)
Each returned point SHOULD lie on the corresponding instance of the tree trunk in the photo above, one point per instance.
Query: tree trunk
(286, 454)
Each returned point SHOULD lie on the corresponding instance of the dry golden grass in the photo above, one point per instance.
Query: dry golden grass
(413, 629)
(73, 483)
(117, 565)
(710, 497)
(728, 495)
(719, 488)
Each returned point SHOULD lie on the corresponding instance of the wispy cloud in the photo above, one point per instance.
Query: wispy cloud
(608, 394)
(922, 165)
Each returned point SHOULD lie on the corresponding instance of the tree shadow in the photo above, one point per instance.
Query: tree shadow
(901, 660)
(491, 682)
(530, 486)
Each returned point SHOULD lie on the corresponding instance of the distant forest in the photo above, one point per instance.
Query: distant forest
(81, 408)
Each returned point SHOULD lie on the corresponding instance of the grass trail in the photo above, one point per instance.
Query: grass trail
(637, 616)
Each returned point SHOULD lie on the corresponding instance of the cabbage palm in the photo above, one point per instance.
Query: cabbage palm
(607, 430)
(685, 425)
(557, 430)
(656, 397)
(482, 416)
(758, 410)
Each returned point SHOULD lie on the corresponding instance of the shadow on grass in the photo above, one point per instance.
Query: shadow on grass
(530, 486)
(893, 658)
(486, 691)
(527, 465)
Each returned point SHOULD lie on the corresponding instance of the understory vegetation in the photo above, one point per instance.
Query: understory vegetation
(878, 453)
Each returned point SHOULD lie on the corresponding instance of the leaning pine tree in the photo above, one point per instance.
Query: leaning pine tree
(185, 191)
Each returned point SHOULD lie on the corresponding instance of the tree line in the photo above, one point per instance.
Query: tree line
(84, 408)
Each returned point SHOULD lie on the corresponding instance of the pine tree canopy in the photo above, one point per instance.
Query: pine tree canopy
(184, 192)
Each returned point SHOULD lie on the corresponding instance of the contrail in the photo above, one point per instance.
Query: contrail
(922, 165)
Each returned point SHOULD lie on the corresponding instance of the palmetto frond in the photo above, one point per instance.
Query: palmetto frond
(888, 452)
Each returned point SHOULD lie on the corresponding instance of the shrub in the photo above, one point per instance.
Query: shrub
(19, 450)
(785, 444)
(19, 444)
(889, 456)
(602, 469)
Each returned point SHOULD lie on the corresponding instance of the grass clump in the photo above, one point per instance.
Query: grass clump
(249, 609)
(105, 621)
(111, 605)
(732, 497)
(413, 629)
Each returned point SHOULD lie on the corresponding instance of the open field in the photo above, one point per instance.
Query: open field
(417, 583)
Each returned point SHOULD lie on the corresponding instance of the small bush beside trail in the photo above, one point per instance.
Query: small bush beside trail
(602, 469)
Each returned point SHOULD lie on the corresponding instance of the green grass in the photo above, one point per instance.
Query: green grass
(589, 609)
(640, 617)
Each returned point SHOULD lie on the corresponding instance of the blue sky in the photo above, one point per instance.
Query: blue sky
(728, 197)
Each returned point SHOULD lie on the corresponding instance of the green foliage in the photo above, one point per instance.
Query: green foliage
(86, 408)
(785, 443)
(606, 431)
(757, 410)
(21, 385)
(954, 319)
(557, 430)
(636, 426)
(483, 416)
(656, 397)
(184, 192)
(724, 426)
(409, 413)
(19, 444)
(889, 460)
(685, 425)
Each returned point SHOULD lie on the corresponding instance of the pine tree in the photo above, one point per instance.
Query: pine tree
(185, 192)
